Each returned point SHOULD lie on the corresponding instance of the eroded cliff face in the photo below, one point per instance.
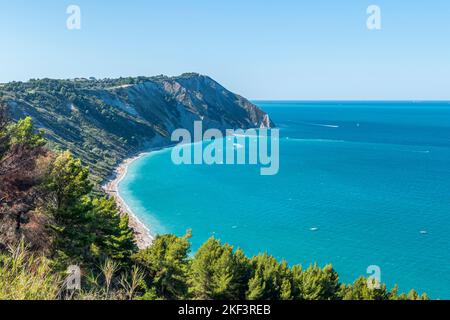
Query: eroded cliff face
(103, 121)
(179, 101)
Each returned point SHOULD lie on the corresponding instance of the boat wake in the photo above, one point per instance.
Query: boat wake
(334, 126)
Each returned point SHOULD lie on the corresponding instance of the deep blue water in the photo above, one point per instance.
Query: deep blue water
(372, 177)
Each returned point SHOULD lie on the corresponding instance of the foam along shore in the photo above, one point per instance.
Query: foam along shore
(142, 234)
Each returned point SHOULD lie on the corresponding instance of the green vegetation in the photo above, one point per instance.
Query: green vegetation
(25, 276)
(77, 118)
(50, 218)
(166, 264)
(86, 227)
(218, 273)
(104, 121)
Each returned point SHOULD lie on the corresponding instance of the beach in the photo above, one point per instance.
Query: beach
(143, 237)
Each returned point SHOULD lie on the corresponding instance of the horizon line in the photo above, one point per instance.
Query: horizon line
(350, 100)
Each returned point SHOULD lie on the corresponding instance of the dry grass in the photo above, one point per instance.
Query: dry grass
(25, 276)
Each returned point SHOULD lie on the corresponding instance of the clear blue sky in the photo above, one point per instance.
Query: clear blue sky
(262, 49)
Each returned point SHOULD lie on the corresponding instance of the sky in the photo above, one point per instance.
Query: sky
(261, 49)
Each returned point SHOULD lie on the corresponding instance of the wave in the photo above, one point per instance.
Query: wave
(391, 145)
(244, 135)
(326, 125)
(334, 126)
(314, 140)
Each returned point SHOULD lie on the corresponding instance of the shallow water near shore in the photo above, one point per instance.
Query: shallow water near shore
(360, 184)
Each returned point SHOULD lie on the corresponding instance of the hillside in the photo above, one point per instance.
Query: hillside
(103, 121)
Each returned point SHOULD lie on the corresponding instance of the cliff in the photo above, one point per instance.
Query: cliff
(103, 121)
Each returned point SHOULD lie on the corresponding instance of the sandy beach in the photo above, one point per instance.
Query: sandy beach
(143, 236)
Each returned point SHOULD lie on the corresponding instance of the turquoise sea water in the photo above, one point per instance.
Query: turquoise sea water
(372, 177)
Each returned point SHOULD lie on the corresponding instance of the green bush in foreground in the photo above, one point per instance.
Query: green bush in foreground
(218, 272)
(164, 271)
(166, 264)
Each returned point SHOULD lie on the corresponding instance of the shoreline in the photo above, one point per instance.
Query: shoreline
(142, 234)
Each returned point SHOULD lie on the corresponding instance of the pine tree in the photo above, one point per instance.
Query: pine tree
(243, 272)
(270, 279)
(87, 229)
(166, 264)
(114, 238)
(217, 272)
(23, 133)
(286, 290)
(360, 290)
(414, 295)
(315, 283)
(68, 203)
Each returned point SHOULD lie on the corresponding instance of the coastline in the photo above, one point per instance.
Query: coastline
(142, 234)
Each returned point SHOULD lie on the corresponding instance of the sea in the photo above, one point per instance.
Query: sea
(360, 184)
